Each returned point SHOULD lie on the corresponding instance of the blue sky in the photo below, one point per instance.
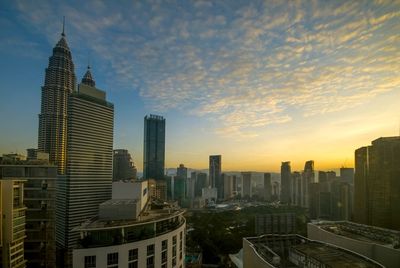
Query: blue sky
(259, 82)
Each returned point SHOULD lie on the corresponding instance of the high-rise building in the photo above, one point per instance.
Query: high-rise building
(201, 182)
(39, 199)
(88, 177)
(123, 166)
(59, 83)
(228, 186)
(154, 147)
(246, 185)
(377, 184)
(215, 175)
(308, 176)
(285, 182)
(267, 187)
(296, 189)
(347, 174)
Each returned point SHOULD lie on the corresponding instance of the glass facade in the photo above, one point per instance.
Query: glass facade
(154, 147)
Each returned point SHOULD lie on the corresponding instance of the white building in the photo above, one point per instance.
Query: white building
(123, 235)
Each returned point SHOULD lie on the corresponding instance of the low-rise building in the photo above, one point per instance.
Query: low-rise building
(379, 244)
(270, 251)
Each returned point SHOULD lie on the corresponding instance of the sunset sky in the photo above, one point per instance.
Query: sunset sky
(259, 82)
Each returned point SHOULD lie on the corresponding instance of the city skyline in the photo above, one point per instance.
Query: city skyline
(257, 83)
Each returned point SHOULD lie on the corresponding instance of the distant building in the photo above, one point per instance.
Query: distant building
(246, 185)
(209, 195)
(270, 251)
(39, 191)
(154, 147)
(158, 189)
(201, 182)
(276, 223)
(285, 183)
(347, 174)
(376, 183)
(267, 187)
(181, 172)
(381, 245)
(296, 189)
(228, 186)
(13, 157)
(190, 186)
(123, 166)
(308, 176)
(215, 174)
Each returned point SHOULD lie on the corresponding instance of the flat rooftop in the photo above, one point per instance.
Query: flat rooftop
(361, 232)
(271, 246)
(148, 215)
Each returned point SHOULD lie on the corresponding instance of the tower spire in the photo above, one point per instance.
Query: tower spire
(63, 34)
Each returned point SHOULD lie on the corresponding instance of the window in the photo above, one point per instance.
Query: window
(164, 244)
(180, 245)
(133, 254)
(164, 256)
(174, 240)
(164, 265)
(150, 250)
(174, 251)
(90, 261)
(133, 265)
(112, 258)
(180, 236)
(150, 262)
(173, 261)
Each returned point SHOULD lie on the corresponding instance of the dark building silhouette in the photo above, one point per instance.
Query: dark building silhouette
(154, 147)
(285, 183)
(377, 183)
(215, 174)
(59, 83)
(267, 187)
(123, 166)
(347, 174)
(200, 183)
(308, 176)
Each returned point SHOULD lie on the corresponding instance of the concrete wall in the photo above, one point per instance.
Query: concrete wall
(251, 259)
(386, 256)
(131, 190)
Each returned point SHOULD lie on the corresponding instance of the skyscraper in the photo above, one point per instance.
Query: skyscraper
(377, 184)
(59, 83)
(285, 182)
(215, 174)
(154, 147)
(88, 178)
(246, 185)
(308, 177)
(123, 166)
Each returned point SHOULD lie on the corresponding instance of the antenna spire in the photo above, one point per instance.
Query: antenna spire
(63, 34)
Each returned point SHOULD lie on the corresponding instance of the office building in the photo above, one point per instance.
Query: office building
(270, 251)
(88, 177)
(190, 186)
(123, 166)
(154, 147)
(12, 221)
(246, 185)
(347, 175)
(215, 175)
(201, 182)
(379, 244)
(123, 235)
(296, 188)
(39, 198)
(59, 83)
(308, 176)
(228, 186)
(285, 183)
(376, 184)
(267, 187)
(158, 189)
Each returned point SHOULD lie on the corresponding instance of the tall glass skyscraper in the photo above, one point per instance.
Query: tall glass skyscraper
(59, 82)
(154, 147)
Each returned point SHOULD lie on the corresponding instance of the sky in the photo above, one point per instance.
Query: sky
(259, 82)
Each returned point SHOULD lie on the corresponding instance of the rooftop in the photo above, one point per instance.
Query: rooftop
(361, 232)
(278, 250)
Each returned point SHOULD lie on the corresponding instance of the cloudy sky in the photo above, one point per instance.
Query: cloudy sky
(259, 82)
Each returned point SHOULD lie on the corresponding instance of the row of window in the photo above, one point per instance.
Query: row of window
(112, 258)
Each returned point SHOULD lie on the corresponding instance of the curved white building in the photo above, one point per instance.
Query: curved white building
(155, 239)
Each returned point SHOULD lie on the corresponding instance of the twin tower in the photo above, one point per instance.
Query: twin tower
(76, 130)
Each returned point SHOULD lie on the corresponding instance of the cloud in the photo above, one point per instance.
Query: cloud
(247, 66)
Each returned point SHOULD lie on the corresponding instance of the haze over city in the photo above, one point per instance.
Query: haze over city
(257, 83)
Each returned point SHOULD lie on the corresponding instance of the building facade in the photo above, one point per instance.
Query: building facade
(215, 174)
(154, 147)
(285, 183)
(246, 185)
(123, 166)
(39, 199)
(12, 222)
(59, 83)
(376, 183)
(88, 177)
